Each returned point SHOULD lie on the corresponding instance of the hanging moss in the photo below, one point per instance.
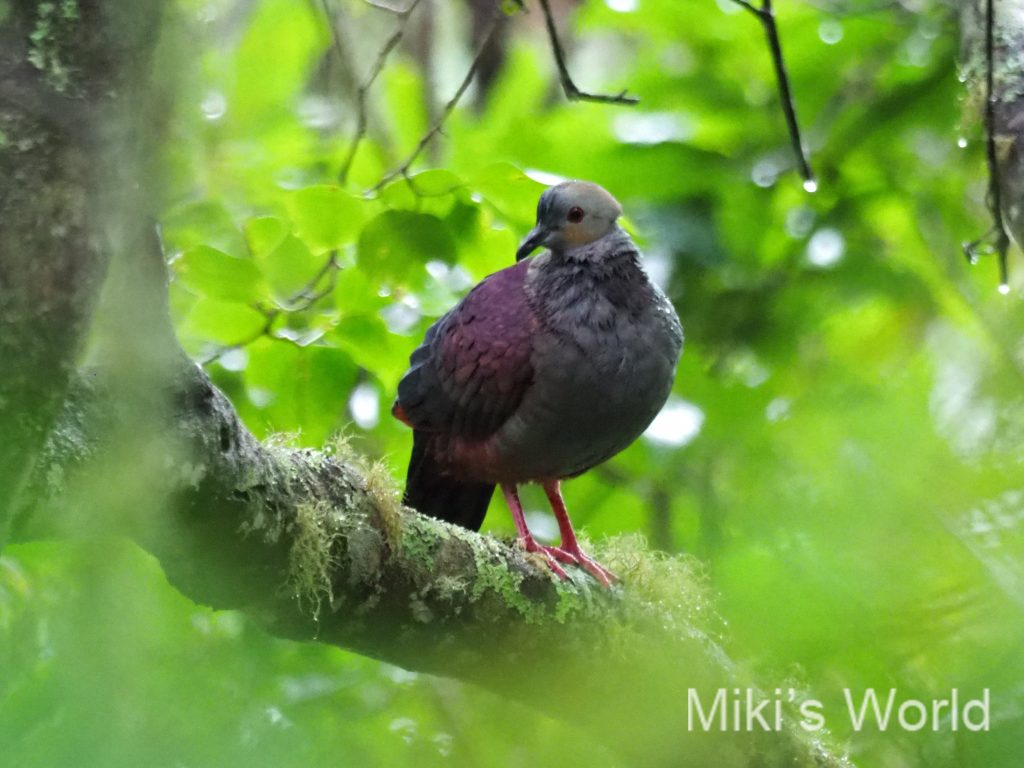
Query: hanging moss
(312, 561)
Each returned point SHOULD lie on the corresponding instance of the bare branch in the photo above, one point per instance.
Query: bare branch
(438, 124)
(766, 15)
(1002, 133)
(375, 70)
(1002, 243)
(568, 86)
(302, 300)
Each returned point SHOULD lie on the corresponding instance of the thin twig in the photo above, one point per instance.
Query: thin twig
(994, 192)
(375, 70)
(568, 86)
(766, 16)
(974, 248)
(302, 300)
(435, 128)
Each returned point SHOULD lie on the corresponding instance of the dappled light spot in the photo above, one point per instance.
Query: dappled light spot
(543, 177)
(400, 317)
(234, 360)
(364, 405)
(830, 31)
(765, 172)
(622, 6)
(678, 423)
(318, 112)
(826, 247)
(652, 127)
(214, 105)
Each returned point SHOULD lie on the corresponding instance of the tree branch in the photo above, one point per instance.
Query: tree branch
(314, 547)
(994, 187)
(990, 43)
(766, 15)
(572, 93)
(302, 300)
(375, 70)
(435, 128)
(56, 96)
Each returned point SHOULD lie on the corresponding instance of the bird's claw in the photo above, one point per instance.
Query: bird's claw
(561, 555)
(554, 555)
(595, 569)
(546, 555)
(590, 565)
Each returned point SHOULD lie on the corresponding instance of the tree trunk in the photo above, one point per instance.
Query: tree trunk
(63, 83)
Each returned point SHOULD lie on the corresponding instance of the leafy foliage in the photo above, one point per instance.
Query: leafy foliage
(843, 447)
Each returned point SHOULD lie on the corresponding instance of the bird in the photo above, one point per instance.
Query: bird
(544, 370)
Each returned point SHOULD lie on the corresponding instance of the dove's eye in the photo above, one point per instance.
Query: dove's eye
(575, 214)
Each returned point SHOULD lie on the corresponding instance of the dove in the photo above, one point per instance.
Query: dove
(542, 371)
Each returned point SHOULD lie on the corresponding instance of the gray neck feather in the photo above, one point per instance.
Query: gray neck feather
(591, 283)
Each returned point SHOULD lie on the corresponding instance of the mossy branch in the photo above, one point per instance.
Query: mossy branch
(313, 546)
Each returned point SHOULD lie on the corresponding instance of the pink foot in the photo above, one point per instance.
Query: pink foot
(561, 555)
(530, 545)
(591, 566)
(570, 551)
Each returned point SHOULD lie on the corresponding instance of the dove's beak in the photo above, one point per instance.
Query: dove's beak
(536, 238)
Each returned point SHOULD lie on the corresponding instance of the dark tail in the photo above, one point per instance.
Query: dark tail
(429, 491)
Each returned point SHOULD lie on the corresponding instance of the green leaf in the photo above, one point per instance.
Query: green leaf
(494, 249)
(396, 245)
(290, 268)
(209, 272)
(367, 340)
(223, 322)
(355, 292)
(435, 182)
(206, 222)
(434, 192)
(301, 389)
(511, 191)
(326, 217)
(264, 233)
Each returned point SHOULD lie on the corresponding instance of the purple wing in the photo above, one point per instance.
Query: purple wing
(472, 369)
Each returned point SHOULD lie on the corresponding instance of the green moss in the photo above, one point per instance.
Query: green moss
(50, 43)
(417, 543)
(493, 576)
(378, 483)
(312, 560)
(384, 494)
(660, 593)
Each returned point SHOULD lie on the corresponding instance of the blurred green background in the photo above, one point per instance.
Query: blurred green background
(843, 448)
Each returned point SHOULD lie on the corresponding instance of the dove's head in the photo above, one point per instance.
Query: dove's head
(569, 215)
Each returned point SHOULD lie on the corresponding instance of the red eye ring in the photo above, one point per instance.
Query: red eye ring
(575, 214)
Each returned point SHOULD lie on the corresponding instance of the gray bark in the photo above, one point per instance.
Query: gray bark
(1008, 95)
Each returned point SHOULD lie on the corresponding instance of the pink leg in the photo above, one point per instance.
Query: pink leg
(526, 539)
(569, 545)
